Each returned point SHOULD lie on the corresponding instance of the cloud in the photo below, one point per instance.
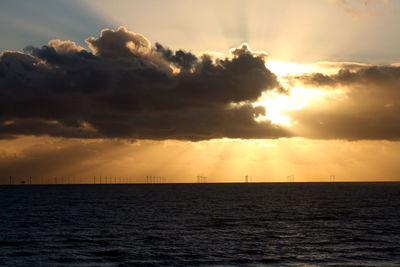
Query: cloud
(368, 109)
(119, 43)
(353, 75)
(362, 8)
(125, 88)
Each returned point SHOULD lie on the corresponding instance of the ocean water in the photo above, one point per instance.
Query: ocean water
(277, 224)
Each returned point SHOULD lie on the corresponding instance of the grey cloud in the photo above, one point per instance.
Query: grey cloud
(119, 43)
(181, 59)
(370, 108)
(378, 75)
(127, 89)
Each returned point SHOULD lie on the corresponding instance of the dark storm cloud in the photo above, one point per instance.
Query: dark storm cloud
(181, 59)
(125, 88)
(369, 109)
(120, 43)
(378, 75)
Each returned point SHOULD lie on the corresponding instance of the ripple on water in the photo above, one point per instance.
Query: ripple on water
(209, 224)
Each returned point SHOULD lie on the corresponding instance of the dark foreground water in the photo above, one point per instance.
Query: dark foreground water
(314, 224)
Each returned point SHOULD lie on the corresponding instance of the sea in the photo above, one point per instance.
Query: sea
(247, 224)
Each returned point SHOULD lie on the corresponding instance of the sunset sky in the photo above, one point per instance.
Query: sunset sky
(181, 88)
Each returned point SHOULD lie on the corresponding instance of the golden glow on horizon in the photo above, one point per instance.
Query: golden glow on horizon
(221, 160)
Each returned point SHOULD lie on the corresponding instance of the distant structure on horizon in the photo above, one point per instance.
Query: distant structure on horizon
(68, 179)
(156, 179)
(201, 179)
(290, 178)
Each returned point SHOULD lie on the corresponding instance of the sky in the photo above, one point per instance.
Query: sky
(180, 89)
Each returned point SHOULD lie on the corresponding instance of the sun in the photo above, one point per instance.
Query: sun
(276, 104)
